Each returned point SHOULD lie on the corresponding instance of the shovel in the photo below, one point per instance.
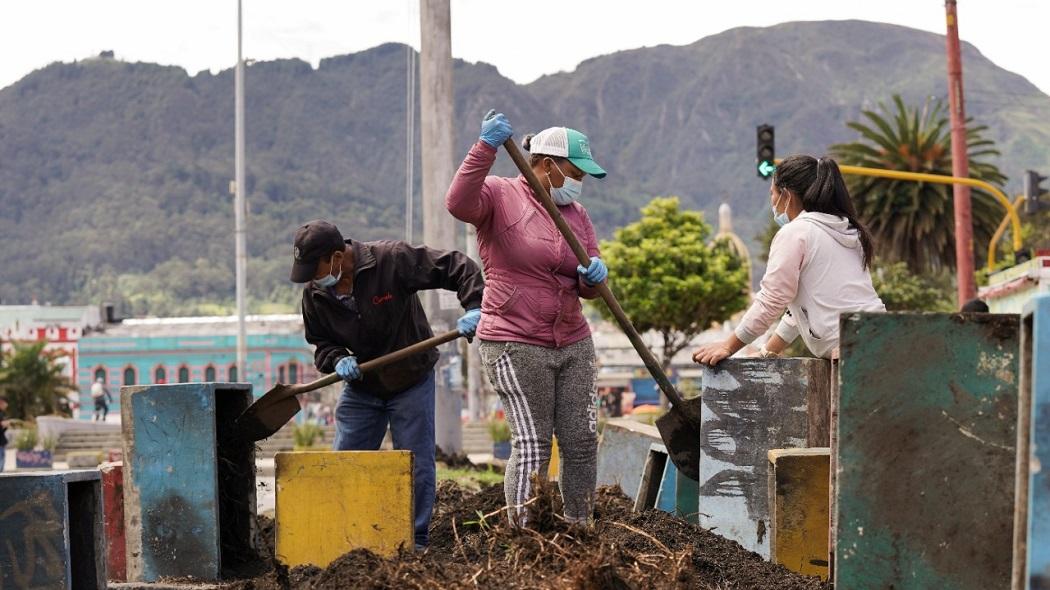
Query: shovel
(277, 406)
(680, 426)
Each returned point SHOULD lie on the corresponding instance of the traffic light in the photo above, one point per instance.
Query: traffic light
(1033, 192)
(764, 152)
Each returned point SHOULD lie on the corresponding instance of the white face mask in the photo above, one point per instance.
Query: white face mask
(330, 280)
(569, 190)
(782, 219)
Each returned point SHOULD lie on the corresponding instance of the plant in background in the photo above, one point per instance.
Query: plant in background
(499, 431)
(26, 439)
(669, 279)
(305, 435)
(902, 290)
(32, 380)
(914, 222)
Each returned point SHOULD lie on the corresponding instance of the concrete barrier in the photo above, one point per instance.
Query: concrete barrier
(331, 502)
(189, 493)
(51, 531)
(113, 520)
(926, 451)
(749, 407)
(798, 503)
(622, 453)
(1032, 513)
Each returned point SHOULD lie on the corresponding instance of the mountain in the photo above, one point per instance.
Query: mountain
(114, 176)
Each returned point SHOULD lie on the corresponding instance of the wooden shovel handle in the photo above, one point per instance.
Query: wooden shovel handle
(386, 359)
(603, 289)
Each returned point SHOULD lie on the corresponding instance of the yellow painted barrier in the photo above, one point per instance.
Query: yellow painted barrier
(331, 502)
(799, 500)
(552, 470)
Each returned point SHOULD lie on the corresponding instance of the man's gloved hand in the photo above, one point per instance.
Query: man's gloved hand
(495, 128)
(347, 369)
(594, 273)
(468, 323)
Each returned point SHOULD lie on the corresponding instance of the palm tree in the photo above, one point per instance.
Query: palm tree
(32, 380)
(914, 222)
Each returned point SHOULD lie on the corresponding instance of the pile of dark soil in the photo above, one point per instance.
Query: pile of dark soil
(472, 546)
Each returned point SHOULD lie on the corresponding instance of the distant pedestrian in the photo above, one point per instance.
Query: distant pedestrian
(102, 398)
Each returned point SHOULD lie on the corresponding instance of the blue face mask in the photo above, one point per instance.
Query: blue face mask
(781, 219)
(329, 280)
(569, 190)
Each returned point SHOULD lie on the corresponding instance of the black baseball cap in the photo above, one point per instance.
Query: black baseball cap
(313, 241)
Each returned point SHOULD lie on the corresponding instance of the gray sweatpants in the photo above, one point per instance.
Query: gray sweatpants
(548, 391)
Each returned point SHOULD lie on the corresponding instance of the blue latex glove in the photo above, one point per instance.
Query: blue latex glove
(595, 273)
(347, 369)
(495, 128)
(468, 323)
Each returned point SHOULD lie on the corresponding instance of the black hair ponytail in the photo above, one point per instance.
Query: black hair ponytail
(819, 183)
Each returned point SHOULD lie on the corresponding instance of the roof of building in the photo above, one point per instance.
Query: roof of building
(205, 325)
(10, 314)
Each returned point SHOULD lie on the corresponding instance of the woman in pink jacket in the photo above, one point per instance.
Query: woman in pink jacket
(535, 343)
(819, 265)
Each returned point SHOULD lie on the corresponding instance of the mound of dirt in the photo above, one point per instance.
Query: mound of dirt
(474, 546)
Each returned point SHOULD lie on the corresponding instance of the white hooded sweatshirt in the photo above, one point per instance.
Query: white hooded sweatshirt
(816, 272)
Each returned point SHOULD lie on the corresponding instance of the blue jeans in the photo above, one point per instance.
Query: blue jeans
(361, 422)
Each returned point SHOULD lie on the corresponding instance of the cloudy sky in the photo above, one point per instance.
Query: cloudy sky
(524, 39)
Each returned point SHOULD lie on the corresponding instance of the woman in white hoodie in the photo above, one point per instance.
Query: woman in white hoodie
(818, 266)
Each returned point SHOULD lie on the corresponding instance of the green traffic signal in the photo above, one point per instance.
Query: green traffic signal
(766, 168)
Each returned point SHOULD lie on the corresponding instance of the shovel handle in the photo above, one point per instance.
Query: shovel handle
(386, 359)
(603, 288)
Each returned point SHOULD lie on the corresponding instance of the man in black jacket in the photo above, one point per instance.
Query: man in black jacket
(359, 303)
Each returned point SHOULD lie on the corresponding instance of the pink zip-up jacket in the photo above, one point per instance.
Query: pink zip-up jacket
(532, 289)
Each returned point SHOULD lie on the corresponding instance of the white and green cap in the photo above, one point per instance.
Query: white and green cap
(566, 143)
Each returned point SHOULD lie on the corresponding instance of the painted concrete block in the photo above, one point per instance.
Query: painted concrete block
(331, 502)
(113, 520)
(622, 452)
(1032, 516)
(189, 493)
(51, 531)
(926, 451)
(662, 488)
(749, 407)
(798, 497)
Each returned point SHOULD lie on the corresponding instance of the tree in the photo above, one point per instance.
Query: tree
(668, 279)
(902, 290)
(32, 381)
(914, 222)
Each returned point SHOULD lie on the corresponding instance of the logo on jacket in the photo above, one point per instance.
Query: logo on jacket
(381, 299)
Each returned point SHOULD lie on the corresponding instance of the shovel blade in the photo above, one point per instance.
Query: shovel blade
(268, 414)
(681, 436)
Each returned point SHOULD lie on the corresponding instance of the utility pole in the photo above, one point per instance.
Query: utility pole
(239, 209)
(964, 264)
(436, 135)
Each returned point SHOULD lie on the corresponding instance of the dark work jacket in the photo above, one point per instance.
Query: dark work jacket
(389, 315)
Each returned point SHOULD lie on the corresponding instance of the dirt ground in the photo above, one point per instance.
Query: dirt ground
(472, 546)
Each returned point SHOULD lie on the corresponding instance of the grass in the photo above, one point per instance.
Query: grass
(470, 478)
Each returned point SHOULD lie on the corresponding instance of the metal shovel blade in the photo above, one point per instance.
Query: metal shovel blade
(265, 417)
(680, 430)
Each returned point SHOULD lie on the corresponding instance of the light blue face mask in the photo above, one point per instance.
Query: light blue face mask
(781, 219)
(329, 280)
(569, 190)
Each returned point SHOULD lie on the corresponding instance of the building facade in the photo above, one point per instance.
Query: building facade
(193, 349)
(61, 326)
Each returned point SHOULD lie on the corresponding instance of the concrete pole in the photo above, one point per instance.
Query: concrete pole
(964, 263)
(240, 247)
(436, 135)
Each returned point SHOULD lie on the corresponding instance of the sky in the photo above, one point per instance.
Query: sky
(523, 39)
